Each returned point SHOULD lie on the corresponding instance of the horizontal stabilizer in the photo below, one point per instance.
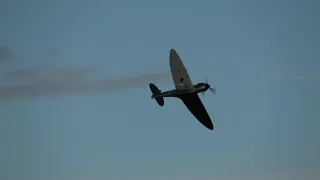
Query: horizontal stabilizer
(155, 91)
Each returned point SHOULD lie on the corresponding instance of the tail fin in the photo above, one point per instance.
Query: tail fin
(155, 91)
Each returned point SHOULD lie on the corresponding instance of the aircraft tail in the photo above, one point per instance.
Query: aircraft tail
(155, 91)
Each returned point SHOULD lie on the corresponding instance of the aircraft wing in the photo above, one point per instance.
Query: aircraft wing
(179, 73)
(195, 106)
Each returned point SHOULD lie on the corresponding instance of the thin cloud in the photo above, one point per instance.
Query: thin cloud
(33, 83)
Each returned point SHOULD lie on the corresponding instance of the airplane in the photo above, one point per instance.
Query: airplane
(185, 90)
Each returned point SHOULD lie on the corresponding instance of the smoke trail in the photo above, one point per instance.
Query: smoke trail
(46, 74)
(62, 81)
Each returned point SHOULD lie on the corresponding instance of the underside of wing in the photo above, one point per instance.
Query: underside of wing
(195, 106)
(179, 73)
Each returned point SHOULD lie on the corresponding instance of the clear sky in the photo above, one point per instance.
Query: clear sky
(261, 56)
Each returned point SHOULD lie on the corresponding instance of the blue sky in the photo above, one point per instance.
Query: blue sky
(261, 56)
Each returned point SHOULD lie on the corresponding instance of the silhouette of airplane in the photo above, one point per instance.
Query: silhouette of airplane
(185, 90)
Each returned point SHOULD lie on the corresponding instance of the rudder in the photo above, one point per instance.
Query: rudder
(155, 91)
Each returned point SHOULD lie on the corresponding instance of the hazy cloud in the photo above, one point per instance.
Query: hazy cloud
(39, 82)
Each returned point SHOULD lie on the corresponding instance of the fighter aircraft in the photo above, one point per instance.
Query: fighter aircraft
(185, 90)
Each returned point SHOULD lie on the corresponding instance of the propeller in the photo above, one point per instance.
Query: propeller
(213, 90)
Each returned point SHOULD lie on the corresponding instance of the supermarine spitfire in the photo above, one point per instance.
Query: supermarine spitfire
(185, 90)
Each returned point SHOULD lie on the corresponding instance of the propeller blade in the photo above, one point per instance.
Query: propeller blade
(212, 90)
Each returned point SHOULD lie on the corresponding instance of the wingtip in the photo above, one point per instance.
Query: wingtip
(173, 50)
(210, 126)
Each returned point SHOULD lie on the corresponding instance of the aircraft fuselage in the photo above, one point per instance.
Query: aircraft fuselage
(200, 87)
